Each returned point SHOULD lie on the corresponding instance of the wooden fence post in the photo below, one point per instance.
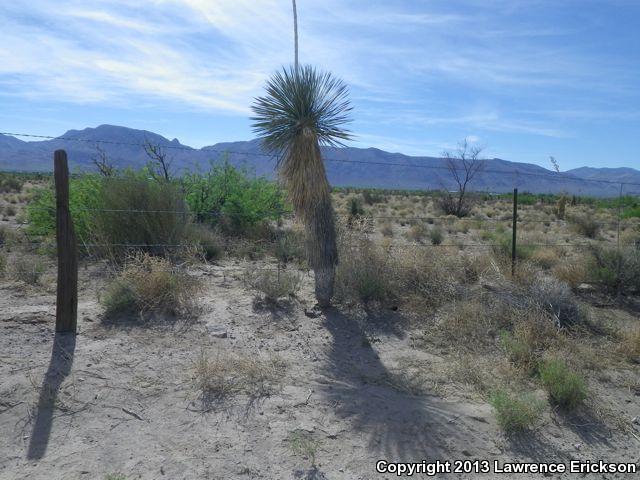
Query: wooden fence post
(67, 298)
(514, 230)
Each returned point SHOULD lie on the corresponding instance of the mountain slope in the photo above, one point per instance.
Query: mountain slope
(358, 167)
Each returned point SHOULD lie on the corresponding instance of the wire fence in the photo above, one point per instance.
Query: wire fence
(445, 220)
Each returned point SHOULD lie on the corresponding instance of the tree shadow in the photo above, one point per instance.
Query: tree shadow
(364, 392)
(60, 364)
(586, 425)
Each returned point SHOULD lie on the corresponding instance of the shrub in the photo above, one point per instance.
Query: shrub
(566, 389)
(10, 183)
(436, 236)
(290, 246)
(355, 207)
(418, 232)
(113, 212)
(555, 297)
(232, 198)
(273, 284)
(10, 210)
(3, 264)
(546, 258)
(386, 229)
(584, 225)
(159, 225)
(27, 268)
(531, 336)
(150, 285)
(515, 413)
(630, 345)
(207, 242)
(618, 270)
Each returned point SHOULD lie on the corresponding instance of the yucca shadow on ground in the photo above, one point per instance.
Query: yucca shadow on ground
(62, 353)
(398, 426)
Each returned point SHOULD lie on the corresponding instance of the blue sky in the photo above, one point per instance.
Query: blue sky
(524, 79)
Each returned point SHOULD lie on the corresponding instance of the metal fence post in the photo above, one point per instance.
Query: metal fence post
(67, 295)
(514, 229)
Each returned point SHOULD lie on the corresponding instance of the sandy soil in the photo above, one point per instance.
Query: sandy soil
(120, 397)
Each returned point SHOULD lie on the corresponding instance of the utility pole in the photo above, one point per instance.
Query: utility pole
(295, 32)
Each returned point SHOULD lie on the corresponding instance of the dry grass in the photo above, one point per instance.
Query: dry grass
(221, 375)
(273, 283)
(150, 284)
(629, 346)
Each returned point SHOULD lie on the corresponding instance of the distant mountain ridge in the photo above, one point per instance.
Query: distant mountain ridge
(349, 166)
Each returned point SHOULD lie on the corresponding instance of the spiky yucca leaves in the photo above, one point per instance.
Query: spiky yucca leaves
(303, 109)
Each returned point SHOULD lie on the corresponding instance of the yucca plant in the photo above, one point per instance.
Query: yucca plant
(303, 109)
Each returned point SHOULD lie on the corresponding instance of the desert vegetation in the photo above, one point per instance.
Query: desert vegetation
(220, 256)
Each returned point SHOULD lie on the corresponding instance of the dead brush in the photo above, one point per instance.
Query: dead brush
(629, 346)
(220, 376)
(149, 284)
(273, 283)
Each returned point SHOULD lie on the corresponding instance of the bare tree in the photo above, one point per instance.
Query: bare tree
(160, 165)
(102, 161)
(463, 165)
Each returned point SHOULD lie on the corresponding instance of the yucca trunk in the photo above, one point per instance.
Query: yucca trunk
(310, 195)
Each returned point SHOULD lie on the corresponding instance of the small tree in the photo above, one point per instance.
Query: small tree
(463, 165)
(159, 164)
(102, 161)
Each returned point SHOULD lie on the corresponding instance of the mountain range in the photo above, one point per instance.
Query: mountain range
(346, 166)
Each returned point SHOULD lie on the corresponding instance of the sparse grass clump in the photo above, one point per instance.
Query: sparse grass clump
(515, 413)
(222, 375)
(418, 232)
(27, 268)
(273, 283)
(567, 389)
(149, 284)
(304, 445)
(531, 336)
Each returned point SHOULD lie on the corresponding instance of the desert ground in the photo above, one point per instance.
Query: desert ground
(247, 378)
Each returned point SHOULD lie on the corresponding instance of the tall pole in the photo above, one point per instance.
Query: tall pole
(514, 230)
(295, 32)
(67, 297)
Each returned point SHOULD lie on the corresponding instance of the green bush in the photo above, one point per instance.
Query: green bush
(565, 388)
(110, 213)
(515, 413)
(436, 236)
(232, 198)
(84, 194)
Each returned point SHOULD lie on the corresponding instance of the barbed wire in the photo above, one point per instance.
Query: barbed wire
(555, 176)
